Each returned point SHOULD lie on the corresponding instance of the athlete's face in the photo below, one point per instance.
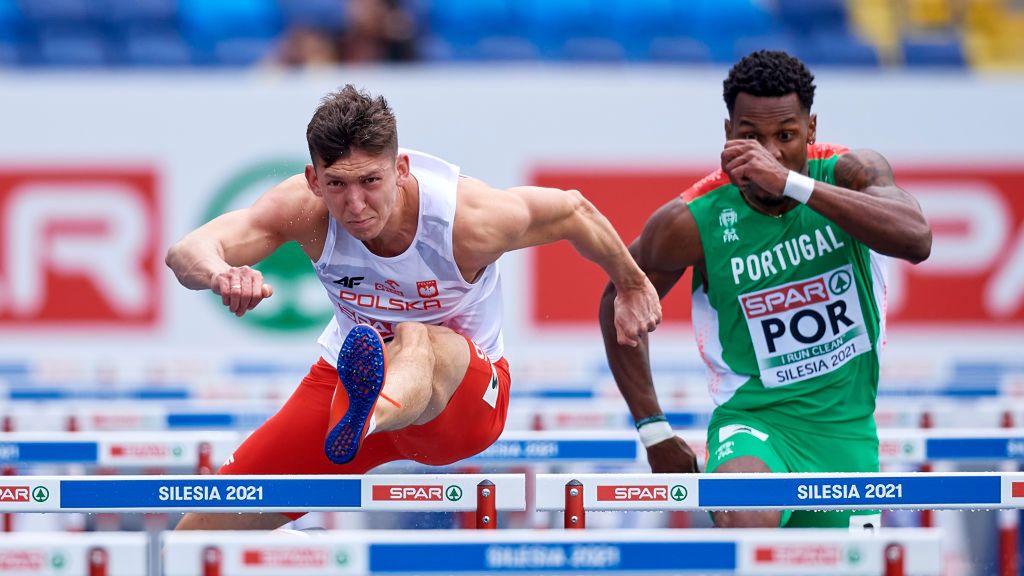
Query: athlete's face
(780, 124)
(360, 190)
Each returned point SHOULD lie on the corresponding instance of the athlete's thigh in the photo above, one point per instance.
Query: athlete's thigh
(829, 454)
(471, 421)
(451, 359)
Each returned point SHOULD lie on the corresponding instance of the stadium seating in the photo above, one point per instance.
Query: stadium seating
(865, 33)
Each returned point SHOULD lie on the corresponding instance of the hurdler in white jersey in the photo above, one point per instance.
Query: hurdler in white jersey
(422, 284)
(407, 250)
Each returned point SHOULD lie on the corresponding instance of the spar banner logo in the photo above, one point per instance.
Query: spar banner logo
(807, 328)
(286, 558)
(14, 493)
(821, 555)
(299, 302)
(392, 493)
(413, 493)
(641, 493)
(23, 561)
(1017, 489)
(80, 248)
(40, 494)
(147, 451)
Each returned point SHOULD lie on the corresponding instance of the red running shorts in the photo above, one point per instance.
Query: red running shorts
(292, 441)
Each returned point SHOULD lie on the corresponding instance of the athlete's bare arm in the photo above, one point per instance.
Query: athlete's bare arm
(865, 202)
(668, 245)
(217, 256)
(884, 218)
(490, 222)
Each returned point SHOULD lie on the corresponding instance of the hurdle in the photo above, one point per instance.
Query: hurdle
(575, 414)
(577, 493)
(897, 552)
(172, 450)
(484, 494)
(896, 446)
(92, 554)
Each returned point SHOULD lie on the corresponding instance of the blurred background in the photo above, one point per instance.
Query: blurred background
(126, 123)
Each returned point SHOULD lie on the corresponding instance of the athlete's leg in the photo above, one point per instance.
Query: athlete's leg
(744, 446)
(425, 366)
(746, 518)
(387, 390)
(291, 442)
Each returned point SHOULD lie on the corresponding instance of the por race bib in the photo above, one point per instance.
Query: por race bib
(806, 328)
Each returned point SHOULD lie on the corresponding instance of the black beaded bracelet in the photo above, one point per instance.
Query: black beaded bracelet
(650, 420)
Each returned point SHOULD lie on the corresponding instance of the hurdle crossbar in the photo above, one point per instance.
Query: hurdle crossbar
(874, 491)
(744, 552)
(398, 492)
(896, 446)
(115, 449)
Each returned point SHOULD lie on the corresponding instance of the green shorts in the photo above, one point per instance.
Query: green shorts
(733, 434)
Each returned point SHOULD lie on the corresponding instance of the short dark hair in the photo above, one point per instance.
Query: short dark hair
(347, 119)
(769, 73)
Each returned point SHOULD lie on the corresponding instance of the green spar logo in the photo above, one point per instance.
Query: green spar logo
(40, 494)
(453, 493)
(57, 560)
(678, 493)
(840, 282)
(341, 558)
(288, 269)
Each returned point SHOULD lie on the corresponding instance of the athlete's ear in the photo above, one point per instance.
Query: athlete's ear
(728, 129)
(812, 129)
(312, 181)
(402, 166)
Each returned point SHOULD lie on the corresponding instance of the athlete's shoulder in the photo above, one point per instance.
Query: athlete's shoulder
(825, 151)
(421, 161)
(705, 185)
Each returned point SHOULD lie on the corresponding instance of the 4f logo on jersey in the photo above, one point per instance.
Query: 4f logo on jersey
(80, 248)
(427, 288)
(350, 281)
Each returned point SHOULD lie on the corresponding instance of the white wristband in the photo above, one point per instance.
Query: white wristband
(799, 187)
(651, 434)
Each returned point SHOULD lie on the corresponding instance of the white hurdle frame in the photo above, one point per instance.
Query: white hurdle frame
(378, 492)
(65, 553)
(182, 448)
(837, 491)
(895, 552)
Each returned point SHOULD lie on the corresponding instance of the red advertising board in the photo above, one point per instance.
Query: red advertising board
(975, 276)
(79, 248)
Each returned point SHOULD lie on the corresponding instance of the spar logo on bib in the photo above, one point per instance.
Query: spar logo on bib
(806, 328)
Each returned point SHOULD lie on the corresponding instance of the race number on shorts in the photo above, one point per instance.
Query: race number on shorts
(806, 328)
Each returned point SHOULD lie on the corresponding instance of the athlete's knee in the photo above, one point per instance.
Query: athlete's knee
(743, 464)
(748, 519)
(411, 334)
(220, 521)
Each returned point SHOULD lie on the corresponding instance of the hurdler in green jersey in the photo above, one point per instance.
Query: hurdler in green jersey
(787, 241)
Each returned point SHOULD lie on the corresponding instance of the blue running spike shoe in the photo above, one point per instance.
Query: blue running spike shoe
(361, 367)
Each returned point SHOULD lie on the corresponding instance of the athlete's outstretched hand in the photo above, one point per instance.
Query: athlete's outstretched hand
(672, 456)
(753, 169)
(240, 288)
(637, 312)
